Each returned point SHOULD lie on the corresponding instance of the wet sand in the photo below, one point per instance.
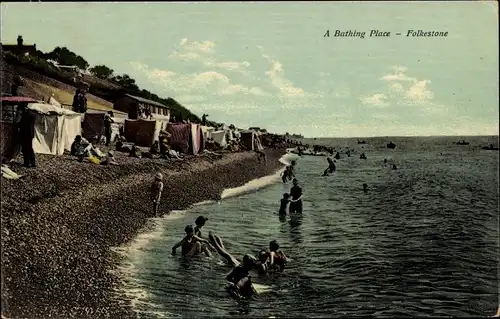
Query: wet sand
(60, 221)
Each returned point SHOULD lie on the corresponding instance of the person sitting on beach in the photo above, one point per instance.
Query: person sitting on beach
(394, 166)
(277, 258)
(76, 145)
(192, 245)
(135, 152)
(156, 190)
(296, 201)
(284, 204)
(154, 149)
(199, 222)
(110, 159)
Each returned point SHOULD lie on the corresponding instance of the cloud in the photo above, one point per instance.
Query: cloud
(203, 52)
(194, 46)
(419, 92)
(377, 99)
(402, 90)
(396, 88)
(277, 77)
(210, 82)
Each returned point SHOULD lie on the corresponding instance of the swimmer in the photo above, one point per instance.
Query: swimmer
(284, 204)
(276, 256)
(331, 165)
(192, 244)
(365, 187)
(199, 222)
(260, 265)
(325, 173)
(286, 174)
(239, 278)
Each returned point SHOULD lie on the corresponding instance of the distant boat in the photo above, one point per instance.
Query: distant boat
(362, 142)
(391, 145)
(462, 142)
(490, 148)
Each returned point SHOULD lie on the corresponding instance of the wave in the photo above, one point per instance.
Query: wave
(259, 183)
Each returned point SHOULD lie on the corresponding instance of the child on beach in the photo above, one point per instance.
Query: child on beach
(156, 190)
(284, 204)
(192, 245)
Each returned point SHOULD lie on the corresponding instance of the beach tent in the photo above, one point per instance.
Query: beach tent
(188, 137)
(93, 125)
(220, 137)
(9, 145)
(251, 140)
(142, 132)
(55, 128)
(207, 131)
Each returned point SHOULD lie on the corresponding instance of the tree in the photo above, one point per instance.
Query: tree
(101, 71)
(126, 82)
(64, 56)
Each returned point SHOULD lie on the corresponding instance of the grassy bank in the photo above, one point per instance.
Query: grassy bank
(60, 221)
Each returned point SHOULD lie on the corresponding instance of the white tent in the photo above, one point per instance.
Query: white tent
(220, 137)
(55, 128)
(207, 131)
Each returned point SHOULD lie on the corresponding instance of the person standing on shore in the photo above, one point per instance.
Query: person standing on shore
(26, 136)
(296, 201)
(108, 120)
(156, 190)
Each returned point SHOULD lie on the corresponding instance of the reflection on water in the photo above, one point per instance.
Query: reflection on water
(422, 241)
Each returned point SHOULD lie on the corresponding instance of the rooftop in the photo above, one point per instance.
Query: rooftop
(146, 101)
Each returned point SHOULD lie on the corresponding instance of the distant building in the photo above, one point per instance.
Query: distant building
(132, 105)
(20, 48)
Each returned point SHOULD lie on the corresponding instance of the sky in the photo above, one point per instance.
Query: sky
(270, 65)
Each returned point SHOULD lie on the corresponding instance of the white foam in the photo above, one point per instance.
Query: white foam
(259, 183)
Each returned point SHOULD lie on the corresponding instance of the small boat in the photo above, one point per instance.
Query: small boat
(362, 142)
(391, 145)
(462, 142)
(490, 148)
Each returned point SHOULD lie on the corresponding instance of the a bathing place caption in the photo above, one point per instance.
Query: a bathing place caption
(384, 34)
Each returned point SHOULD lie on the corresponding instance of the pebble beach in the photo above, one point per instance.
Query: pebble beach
(61, 221)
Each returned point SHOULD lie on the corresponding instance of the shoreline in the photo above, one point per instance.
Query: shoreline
(61, 221)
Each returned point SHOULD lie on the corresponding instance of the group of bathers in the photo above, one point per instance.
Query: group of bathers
(240, 284)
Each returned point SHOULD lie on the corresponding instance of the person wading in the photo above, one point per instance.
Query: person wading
(296, 201)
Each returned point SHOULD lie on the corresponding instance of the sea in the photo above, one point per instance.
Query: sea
(423, 240)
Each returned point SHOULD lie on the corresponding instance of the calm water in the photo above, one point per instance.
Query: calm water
(423, 241)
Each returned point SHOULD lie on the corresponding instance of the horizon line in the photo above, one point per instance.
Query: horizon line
(384, 136)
